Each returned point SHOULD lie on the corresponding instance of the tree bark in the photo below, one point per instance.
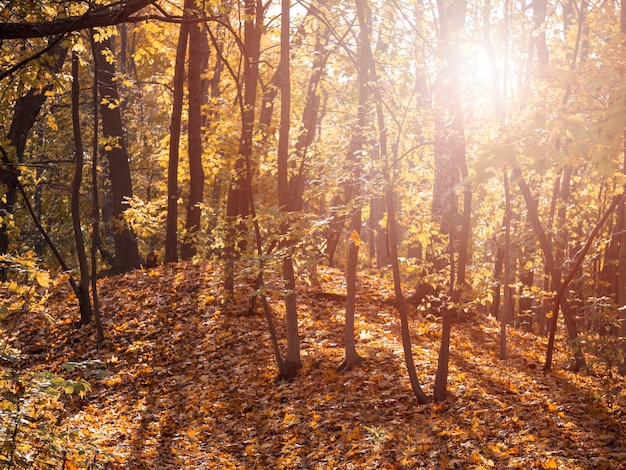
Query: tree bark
(507, 310)
(95, 204)
(83, 286)
(292, 358)
(421, 397)
(171, 235)
(197, 53)
(352, 358)
(126, 251)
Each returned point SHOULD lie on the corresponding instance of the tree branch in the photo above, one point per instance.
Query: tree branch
(105, 16)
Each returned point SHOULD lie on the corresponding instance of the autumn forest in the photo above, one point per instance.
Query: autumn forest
(312, 234)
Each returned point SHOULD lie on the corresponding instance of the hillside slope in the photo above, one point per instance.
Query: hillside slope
(190, 384)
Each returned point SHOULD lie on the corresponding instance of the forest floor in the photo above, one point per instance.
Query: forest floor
(189, 384)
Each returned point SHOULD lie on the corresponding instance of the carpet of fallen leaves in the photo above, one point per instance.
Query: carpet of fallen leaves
(190, 384)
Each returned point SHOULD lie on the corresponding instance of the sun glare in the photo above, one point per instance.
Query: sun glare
(477, 76)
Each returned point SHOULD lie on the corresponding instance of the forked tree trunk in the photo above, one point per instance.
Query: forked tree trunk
(421, 397)
(617, 201)
(393, 238)
(555, 272)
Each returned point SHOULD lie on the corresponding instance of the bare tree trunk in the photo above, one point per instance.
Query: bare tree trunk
(497, 281)
(421, 397)
(95, 205)
(83, 286)
(621, 275)
(126, 251)
(171, 236)
(507, 310)
(197, 53)
(292, 358)
(352, 358)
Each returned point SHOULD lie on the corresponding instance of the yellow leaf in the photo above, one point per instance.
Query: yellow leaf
(42, 278)
(551, 463)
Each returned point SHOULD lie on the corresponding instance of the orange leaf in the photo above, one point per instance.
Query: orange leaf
(355, 238)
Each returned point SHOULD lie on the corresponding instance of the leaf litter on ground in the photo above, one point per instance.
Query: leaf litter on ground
(189, 383)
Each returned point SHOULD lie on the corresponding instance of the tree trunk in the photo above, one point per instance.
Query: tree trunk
(240, 189)
(507, 310)
(378, 235)
(95, 204)
(450, 167)
(560, 295)
(352, 358)
(197, 53)
(497, 282)
(83, 286)
(421, 397)
(171, 236)
(126, 251)
(292, 358)
(621, 274)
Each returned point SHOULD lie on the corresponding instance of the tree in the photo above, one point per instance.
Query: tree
(95, 16)
(195, 34)
(450, 169)
(292, 358)
(506, 315)
(198, 55)
(171, 237)
(555, 272)
(126, 250)
(240, 189)
(354, 161)
(83, 286)
(26, 110)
